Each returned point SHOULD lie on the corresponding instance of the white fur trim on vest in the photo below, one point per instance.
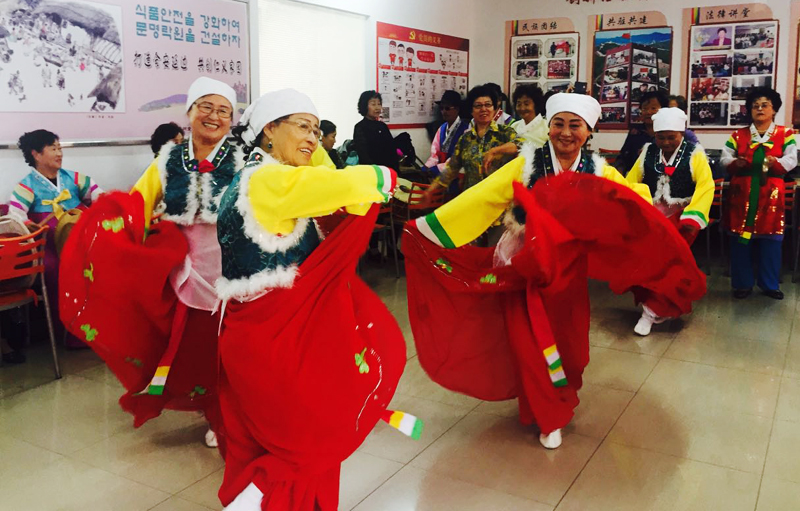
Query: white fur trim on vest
(246, 287)
(663, 190)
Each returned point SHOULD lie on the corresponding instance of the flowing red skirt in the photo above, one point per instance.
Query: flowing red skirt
(116, 295)
(484, 336)
(306, 373)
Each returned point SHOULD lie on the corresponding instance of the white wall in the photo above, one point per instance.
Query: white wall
(487, 52)
(451, 17)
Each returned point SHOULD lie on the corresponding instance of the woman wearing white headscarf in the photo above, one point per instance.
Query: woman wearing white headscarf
(680, 180)
(522, 307)
(310, 356)
(145, 298)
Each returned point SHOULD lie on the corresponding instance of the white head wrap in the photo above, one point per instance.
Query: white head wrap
(669, 119)
(204, 86)
(271, 106)
(579, 104)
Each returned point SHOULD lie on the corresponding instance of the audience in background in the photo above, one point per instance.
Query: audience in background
(44, 195)
(652, 102)
(328, 140)
(371, 137)
(757, 158)
(448, 134)
(168, 132)
(528, 102)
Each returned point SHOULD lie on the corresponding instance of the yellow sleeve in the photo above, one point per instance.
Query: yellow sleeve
(636, 174)
(696, 212)
(467, 216)
(321, 157)
(280, 194)
(613, 174)
(149, 185)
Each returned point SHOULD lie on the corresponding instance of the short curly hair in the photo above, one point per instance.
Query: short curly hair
(532, 91)
(163, 134)
(35, 140)
(481, 91)
(363, 101)
(762, 92)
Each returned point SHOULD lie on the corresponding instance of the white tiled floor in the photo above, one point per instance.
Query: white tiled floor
(702, 415)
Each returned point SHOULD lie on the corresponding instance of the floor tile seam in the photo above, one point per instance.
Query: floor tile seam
(644, 380)
(162, 502)
(747, 338)
(720, 367)
(707, 364)
(203, 478)
(456, 423)
(95, 466)
(602, 440)
(380, 485)
(624, 351)
(704, 462)
(769, 441)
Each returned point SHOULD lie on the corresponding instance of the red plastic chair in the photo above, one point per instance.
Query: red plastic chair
(20, 257)
(415, 208)
(385, 226)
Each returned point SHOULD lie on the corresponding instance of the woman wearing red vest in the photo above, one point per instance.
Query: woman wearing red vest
(757, 158)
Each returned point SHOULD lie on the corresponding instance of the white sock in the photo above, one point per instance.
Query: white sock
(248, 500)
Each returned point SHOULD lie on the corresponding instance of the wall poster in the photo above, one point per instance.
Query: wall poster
(725, 60)
(627, 64)
(549, 60)
(414, 69)
(114, 69)
(796, 105)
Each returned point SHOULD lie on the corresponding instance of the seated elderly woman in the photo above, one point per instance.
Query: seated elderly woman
(45, 194)
(521, 309)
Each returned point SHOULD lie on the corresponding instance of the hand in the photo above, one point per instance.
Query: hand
(488, 156)
(426, 199)
(771, 161)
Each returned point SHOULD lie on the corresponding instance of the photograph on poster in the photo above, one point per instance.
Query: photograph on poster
(709, 114)
(557, 86)
(636, 113)
(614, 93)
(560, 48)
(716, 37)
(710, 89)
(647, 58)
(756, 63)
(640, 89)
(738, 113)
(614, 114)
(639, 58)
(526, 69)
(616, 74)
(560, 69)
(527, 48)
(711, 66)
(61, 56)
(796, 112)
(741, 85)
(645, 74)
(757, 35)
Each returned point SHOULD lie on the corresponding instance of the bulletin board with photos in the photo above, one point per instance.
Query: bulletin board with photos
(725, 61)
(548, 60)
(628, 64)
(415, 67)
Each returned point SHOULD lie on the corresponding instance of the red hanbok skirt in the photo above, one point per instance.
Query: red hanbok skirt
(306, 373)
(116, 295)
(480, 330)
